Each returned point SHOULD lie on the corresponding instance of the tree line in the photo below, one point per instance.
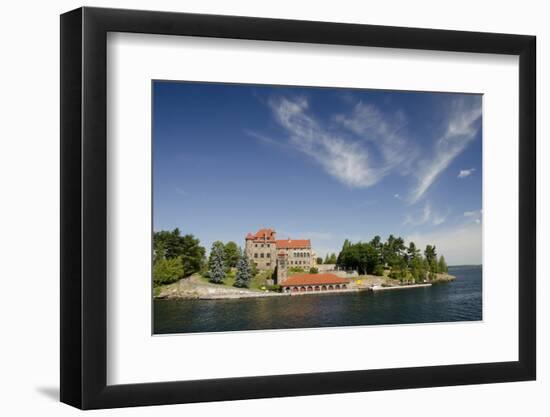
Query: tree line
(405, 263)
(177, 256)
(330, 258)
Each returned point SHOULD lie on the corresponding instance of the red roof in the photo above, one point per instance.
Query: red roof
(294, 244)
(262, 234)
(314, 279)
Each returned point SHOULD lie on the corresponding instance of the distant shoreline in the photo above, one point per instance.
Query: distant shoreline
(466, 266)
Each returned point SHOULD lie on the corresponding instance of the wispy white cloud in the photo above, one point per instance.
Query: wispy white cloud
(475, 215)
(345, 160)
(377, 148)
(439, 219)
(426, 216)
(385, 132)
(396, 195)
(376, 143)
(465, 172)
(266, 139)
(461, 128)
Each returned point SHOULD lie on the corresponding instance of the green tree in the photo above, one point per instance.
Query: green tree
(231, 254)
(406, 262)
(217, 265)
(392, 251)
(253, 268)
(411, 254)
(399, 270)
(193, 254)
(319, 261)
(431, 259)
(172, 245)
(378, 270)
(216, 246)
(362, 257)
(345, 246)
(313, 270)
(244, 272)
(168, 242)
(418, 268)
(442, 265)
(167, 270)
(331, 259)
(430, 254)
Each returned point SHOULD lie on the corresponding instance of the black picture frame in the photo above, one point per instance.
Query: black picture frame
(84, 207)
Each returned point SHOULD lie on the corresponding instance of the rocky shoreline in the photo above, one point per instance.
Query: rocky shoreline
(196, 288)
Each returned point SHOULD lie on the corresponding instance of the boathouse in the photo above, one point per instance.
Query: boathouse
(314, 282)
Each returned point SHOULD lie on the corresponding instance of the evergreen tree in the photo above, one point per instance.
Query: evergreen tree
(406, 262)
(217, 265)
(217, 246)
(244, 272)
(430, 254)
(431, 259)
(339, 261)
(418, 269)
(442, 265)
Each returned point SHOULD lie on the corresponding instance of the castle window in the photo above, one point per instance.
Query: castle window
(268, 264)
(261, 255)
(262, 245)
(255, 255)
(268, 255)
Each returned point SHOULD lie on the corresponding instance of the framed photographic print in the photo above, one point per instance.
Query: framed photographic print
(258, 208)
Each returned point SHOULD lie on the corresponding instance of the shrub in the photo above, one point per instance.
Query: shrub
(313, 270)
(167, 270)
(274, 288)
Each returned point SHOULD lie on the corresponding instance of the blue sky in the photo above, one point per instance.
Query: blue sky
(319, 163)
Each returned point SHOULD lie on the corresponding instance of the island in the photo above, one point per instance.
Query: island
(271, 267)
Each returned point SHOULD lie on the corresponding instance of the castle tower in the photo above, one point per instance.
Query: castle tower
(282, 267)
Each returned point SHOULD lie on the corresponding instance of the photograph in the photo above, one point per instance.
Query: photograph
(299, 207)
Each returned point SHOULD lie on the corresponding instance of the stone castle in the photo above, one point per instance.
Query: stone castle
(268, 253)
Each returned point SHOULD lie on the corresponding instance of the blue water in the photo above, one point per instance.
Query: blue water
(459, 300)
